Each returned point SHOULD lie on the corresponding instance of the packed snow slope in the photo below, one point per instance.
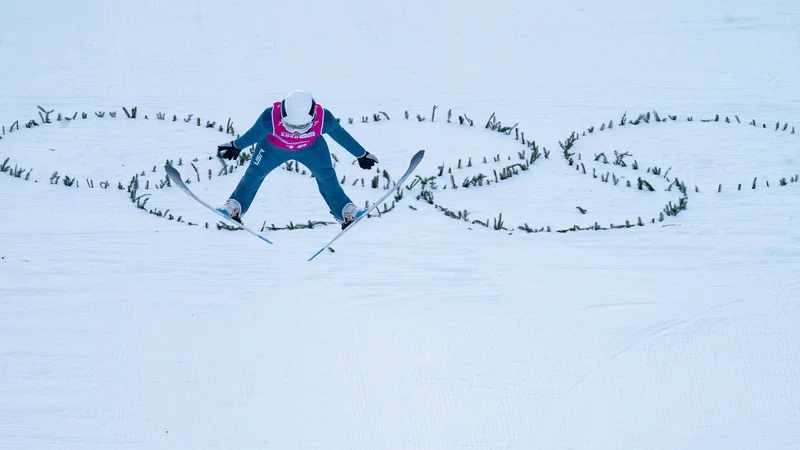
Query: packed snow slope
(600, 249)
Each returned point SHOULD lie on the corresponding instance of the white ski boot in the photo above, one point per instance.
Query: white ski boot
(233, 209)
(350, 213)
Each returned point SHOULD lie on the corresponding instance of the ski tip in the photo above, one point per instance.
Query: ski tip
(415, 160)
(173, 174)
(171, 170)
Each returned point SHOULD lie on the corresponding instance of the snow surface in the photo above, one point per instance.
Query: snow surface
(120, 329)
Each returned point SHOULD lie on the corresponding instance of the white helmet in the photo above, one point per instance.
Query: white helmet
(298, 110)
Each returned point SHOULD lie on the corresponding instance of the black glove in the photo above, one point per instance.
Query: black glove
(367, 161)
(228, 151)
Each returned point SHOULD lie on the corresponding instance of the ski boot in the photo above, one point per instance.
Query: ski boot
(233, 209)
(350, 213)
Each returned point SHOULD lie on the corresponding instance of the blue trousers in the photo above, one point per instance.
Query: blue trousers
(316, 157)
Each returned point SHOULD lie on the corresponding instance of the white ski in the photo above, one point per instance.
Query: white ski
(415, 160)
(175, 176)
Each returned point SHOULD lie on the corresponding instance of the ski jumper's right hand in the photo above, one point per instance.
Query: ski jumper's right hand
(228, 151)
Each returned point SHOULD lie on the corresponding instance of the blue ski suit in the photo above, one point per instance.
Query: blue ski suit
(316, 157)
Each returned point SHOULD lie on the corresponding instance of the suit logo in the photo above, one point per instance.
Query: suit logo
(258, 157)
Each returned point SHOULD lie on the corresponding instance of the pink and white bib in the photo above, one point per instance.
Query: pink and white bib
(292, 140)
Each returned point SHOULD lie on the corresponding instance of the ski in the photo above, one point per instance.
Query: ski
(415, 160)
(175, 176)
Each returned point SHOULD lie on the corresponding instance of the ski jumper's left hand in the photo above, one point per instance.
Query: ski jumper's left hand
(367, 161)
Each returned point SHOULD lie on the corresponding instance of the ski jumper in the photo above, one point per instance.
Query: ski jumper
(276, 145)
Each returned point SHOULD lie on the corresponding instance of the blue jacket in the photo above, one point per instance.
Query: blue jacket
(257, 134)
